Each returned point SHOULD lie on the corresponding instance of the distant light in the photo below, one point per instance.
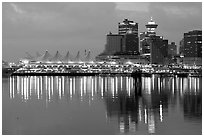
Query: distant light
(113, 62)
(129, 63)
(101, 62)
(70, 62)
(37, 61)
(25, 61)
(48, 62)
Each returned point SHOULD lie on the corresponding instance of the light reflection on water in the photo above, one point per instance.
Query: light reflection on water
(139, 105)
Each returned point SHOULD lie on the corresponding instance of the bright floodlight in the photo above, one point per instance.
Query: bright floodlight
(25, 61)
(112, 62)
(129, 63)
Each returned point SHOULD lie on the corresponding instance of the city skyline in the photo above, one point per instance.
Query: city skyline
(37, 27)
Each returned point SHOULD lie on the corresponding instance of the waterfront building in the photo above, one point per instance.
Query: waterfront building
(158, 49)
(126, 25)
(126, 42)
(193, 43)
(153, 47)
(192, 48)
(145, 37)
(131, 43)
(151, 26)
(142, 37)
(114, 43)
(131, 40)
(181, 48)
(172, 49)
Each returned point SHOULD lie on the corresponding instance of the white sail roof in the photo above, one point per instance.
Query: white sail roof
(57, 58)
(77, 58)
(67, 58)
(44, 58)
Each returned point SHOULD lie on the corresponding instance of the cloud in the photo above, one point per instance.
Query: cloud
(136, 6)
(183, 10)
(78, 26)
(16, 8)
(56, 26)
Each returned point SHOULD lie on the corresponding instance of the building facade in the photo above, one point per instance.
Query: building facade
(158, 49)
(181, 47)
(126, 25)
(131, 40)
(172, 49)
(155, 48)
(193, 43)
(131, 43)
(151, 27)
(114, 43)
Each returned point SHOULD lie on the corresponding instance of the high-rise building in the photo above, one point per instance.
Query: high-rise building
(181, 48)
(126, 25)
(158, 49)
(172, 49)
(151, 26)
(131, 43)
(114, 43)
(142, 37)
(193, 43)
(145, 37)
(130, 31)
(155, 48)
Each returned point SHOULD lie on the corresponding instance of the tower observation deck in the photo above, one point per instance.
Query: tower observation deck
(151, 26)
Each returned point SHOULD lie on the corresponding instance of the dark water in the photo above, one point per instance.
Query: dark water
(101, 105)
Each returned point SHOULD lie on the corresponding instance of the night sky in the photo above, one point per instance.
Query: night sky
(36, 27)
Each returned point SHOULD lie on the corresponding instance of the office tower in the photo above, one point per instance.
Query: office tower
(142, 37)
(131, 45)
(131, 41)
(172, 49)
(158, 49)
(181, 48)
(145, 36)
(114, 43)
(193, 43)
(144, 44)
(155, 48)
(126, 25)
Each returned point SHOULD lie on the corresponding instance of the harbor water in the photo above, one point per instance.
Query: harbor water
(101, 105)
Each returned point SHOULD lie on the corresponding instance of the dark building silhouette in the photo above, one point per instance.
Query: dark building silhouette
(181, 48)
(172, 49)
(142, 37)
(126, 42)
(126, 25)
(131, 43)
(158, 49)
(155, 48)
(193, 43)
(130, 31)
(114, 43)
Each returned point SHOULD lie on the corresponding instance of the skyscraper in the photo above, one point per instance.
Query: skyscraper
(130, 31)
(127, 25)
(114, 43)
(193, 43)
(172, 49)
(155, 48)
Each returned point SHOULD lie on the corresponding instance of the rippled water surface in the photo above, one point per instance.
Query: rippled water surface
(101, 105)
